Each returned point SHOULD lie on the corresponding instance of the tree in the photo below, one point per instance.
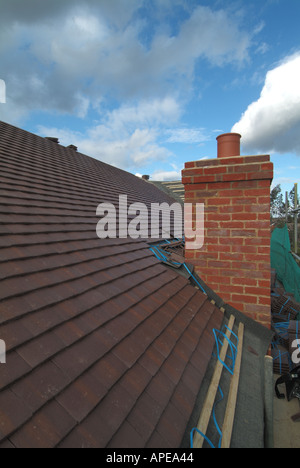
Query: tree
(294, 220)
(292, 199)
(277, 204)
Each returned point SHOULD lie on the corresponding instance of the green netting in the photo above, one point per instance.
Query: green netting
(283, 262)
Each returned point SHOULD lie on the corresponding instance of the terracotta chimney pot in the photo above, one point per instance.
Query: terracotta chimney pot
(229, 144)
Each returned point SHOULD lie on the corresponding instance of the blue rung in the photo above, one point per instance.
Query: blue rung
(233, 348)
(216, 425)
(202, 435)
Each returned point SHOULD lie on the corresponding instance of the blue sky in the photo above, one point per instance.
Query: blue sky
(147, 85)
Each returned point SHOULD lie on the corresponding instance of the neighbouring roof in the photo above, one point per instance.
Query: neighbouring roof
(174, 189)
(106, 346)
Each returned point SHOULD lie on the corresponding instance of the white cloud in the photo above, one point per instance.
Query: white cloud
(133, 150)
(127, 137)
(165, 176)
(187, 135)
(86, 51)
(72, 57)
(285, 182)
(147, 113)
(272, 123)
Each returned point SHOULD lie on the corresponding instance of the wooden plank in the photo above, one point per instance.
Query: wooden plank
(212, 391)
(233, 392)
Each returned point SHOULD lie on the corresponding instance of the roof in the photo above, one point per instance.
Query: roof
(106, 346)
(174, 189)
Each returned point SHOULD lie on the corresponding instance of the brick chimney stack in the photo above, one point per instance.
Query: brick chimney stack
(235, 260)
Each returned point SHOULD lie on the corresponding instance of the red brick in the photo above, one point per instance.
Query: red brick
(255, 192)
(234, 160)
(208, 271)
(221, 233)
(244, 233)
(265, 200)
(189, 165)
(192, 172)
(215, 170)
(264, 183)
(257, 241)
(205, 194)
(207, 163)
(231, 257)
(212, 241)
(244, 265)
(194, 187)
(235, 209)
(220, 201)
(186, 180)
(247, 168)
(268, 167)
(231, 193)
(244, 217)
(237, 289)
(233, 273)
(254, 290)
(233, 225)
(258, 208)
(245, 249)
(257, 309)
(219, 264)
(221, 186)
(209, 178)
(222, 217)
(211, 224)
(219, 248)
(234, 177)
(205, 255)
(253, 184)
(265, 300)
(219, 280)
(264, 266)
(264, 217)
(231, 241)
(190, 254)
(244, 281)
(225, 296)
(244, 298)
(260, 175)
(189, 197)
(255, 274)
(258, 159)
(264, 233)
(211, 209)
(246, 201)
(265, 284)
(259, 258)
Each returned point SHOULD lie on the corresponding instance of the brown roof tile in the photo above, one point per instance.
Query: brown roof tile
(82, 396)
(105, 345)
(13, 413)
(41, 385)
(46, 428)
(126, 437)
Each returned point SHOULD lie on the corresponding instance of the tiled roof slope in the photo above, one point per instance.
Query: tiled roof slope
(106, 347)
